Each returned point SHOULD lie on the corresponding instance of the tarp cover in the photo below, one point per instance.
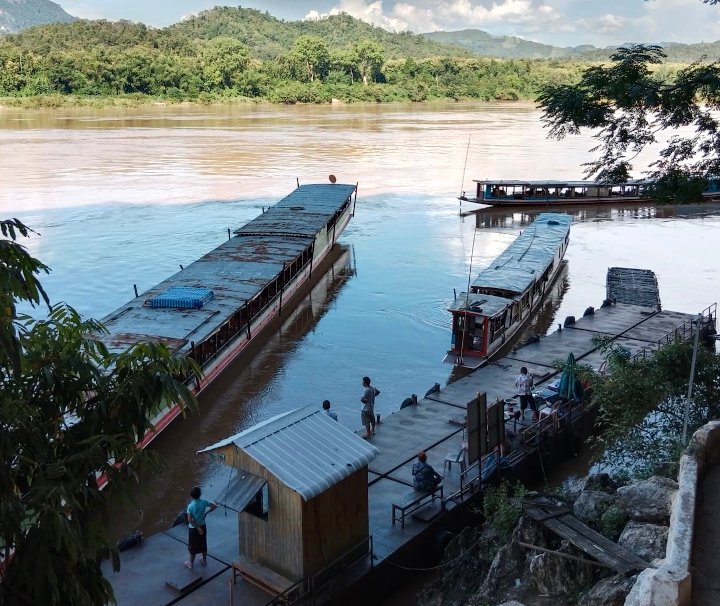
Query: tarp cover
(185, 297)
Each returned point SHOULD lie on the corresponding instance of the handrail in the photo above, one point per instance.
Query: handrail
(683, 332)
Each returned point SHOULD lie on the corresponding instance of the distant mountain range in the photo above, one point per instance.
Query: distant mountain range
(482, 43)
(17, 15)
(510, 47)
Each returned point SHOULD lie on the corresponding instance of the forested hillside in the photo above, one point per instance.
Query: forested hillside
(16, 15)
(236, 53)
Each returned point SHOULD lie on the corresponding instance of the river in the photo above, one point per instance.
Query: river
(123, 197)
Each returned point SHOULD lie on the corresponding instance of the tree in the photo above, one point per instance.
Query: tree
(313, 53)
(226, 59)
(370, 59)
(628, 105)
(641, 405)
(69, 410)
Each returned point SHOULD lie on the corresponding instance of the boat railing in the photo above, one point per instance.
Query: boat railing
(684, 332)
(313, 584)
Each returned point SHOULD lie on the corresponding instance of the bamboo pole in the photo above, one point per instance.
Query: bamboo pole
(567, 556)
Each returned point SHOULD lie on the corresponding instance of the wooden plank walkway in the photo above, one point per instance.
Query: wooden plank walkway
(558, 519)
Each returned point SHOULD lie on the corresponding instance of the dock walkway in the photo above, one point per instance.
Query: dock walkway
(430, 426)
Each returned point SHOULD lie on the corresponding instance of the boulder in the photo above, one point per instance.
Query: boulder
(648, 541)
(601, 482)
(509, 562)
(610, 591)
(464, 577)
(556, 576)
(591, 505)
(648, 501)
(511, 603)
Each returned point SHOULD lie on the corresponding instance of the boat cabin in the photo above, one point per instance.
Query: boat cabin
(504, 295)
(299, 488)
(493, 191)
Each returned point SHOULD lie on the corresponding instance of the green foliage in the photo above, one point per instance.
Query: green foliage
(612, 522)
(629, 103)
(69, 410)
(246, 53)
(641, 407)
(502, 507)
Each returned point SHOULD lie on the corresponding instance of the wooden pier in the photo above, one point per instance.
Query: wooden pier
(433, 425)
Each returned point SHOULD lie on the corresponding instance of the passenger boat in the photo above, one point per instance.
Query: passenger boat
(214, 308)
(562, 193)
(543, 193)
(506, 294)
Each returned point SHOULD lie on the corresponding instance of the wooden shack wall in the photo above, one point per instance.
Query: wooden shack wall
(275, 542)
(335, 521)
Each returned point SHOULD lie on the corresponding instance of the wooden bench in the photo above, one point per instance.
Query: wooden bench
(414, 501)
(264, 578)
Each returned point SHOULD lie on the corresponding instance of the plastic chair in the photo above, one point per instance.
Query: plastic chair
(455, 457)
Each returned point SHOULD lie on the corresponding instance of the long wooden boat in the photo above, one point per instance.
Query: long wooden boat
(563, 193)
(506, 294)
(214, 308)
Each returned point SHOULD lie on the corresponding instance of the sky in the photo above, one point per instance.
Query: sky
(556, 22)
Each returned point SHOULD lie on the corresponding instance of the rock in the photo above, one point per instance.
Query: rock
(511, 603)
(509, 562)
(611, 591)
(556, 576)
(461, 579)
(591, 504)
(648, 501)
(646, 540)
(601, 482)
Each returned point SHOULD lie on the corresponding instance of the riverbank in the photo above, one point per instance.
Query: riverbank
(50, 102)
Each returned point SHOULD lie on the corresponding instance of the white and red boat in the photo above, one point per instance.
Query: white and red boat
(214, 308)
(507, 293)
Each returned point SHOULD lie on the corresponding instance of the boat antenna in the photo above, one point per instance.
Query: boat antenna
(467, 298)
(462, 184)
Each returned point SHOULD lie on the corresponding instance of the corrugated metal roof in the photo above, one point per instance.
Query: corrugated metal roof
(524, 261)
(554, 183)
(241, 490)
(305, 449)
(633, 286)
(235, 271)
(487, 305)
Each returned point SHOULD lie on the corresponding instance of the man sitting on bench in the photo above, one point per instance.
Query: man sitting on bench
(425, 478)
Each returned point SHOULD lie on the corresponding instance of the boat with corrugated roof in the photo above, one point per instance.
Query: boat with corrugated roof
(215, 307)
(507, 293)
(521, 193)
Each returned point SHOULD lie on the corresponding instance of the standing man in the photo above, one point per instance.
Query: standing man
(330, 413)
(523, 388)
(368, 410)
(197, 530)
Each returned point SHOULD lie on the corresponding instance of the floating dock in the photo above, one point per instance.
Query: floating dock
(154, 575)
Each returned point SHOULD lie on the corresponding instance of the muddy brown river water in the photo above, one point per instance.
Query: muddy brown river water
(122, 198)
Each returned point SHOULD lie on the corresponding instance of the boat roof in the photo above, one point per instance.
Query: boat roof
(234, 272)
(305, 449)
(524, 261)
(553, 183)
(481, 304)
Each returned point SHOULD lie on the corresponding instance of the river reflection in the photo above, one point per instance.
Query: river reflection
(124, 198)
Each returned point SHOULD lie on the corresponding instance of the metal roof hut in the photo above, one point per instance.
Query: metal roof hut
(301, 491)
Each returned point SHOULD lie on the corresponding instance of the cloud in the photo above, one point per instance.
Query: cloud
(432, 15)
(556, 22)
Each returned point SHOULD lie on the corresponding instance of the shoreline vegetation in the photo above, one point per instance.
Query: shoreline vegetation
(236, 55)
